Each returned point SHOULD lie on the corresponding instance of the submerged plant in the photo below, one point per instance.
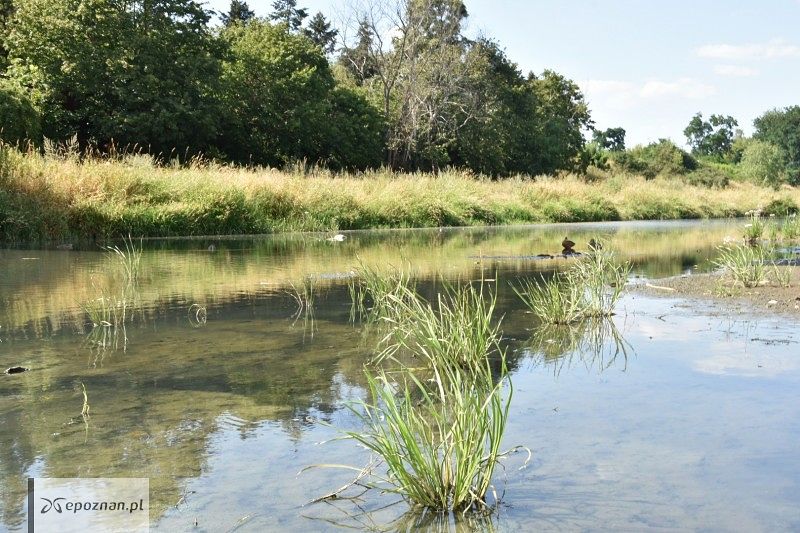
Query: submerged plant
(744, 263)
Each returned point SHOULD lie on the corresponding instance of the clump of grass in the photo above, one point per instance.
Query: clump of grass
(556, 300)
(376, 293)
(781, 275)
(591, 287)
(602, 279)
(441, 440)
(791, 227)
(754, 230)
(107, 309)
(745, 264)
(457, 330)
(130, 259)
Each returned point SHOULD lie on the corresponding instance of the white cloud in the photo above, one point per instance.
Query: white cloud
(682, 88)
(627, 92)
(735, 71)
(774, 49)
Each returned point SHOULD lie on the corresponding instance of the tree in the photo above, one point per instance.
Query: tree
(562, 115)
(6, 11)
(319, 30)
(20, 120)
(763, 163)
(138, 72)
(713, 137)
(359, 59)
(275, 89)
(239, 12)
(612, 139)
(781, 127)
(286, 12)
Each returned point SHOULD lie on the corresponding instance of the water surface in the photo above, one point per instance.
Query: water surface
(693, 424)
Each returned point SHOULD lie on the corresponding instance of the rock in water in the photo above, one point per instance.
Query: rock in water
(16, 370)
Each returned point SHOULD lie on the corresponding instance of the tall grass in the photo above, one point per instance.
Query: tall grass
(377, 294)
(438, 425)
(457, 329)
(56, 197)
(129, 259)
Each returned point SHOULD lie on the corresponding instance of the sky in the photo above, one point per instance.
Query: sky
(648, 65)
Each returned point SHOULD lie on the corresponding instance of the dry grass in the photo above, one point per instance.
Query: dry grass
(59, 195)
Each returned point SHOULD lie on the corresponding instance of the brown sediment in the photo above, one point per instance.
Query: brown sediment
(770, 296)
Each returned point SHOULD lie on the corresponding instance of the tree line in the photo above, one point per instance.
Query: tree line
(401, 85)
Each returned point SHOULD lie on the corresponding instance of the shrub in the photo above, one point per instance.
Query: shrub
(19, 119)
(763, 162)
(661, 158)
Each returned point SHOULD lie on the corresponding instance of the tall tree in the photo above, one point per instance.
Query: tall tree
(611, 139)
(359, 60)
(319, 30)
(781, 127)
(286, 12)
(712, 137)
(239, 12)
(136, 71)
(6, 11)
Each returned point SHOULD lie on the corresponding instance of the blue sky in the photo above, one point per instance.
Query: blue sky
(647, 66)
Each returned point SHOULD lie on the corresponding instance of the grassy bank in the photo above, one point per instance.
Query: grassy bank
(59, 196)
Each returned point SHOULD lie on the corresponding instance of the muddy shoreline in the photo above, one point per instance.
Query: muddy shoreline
(770, 296)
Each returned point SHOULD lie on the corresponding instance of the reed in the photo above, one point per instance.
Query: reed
(378, 294)
(129, 259)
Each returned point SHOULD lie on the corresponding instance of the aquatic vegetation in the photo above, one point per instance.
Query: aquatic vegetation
(457, 329)
(791, 227)
(754, 230)
(440, 441)
(602, 279)
(782, 275)
(376, 293)
(86, 407)
(591, 287)
(556, 300)
(107, 309)
(745, 264)
(130, 259)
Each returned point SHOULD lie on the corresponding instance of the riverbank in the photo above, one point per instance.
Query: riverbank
(60, 197)
(770, 296)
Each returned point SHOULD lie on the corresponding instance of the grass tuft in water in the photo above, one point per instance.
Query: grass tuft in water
(556, 300)
(130, 259)
(591, 287)
(375, 293)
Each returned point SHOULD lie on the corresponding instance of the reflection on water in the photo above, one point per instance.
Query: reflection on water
(683, 410)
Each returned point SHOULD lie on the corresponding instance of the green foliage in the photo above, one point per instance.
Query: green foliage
(238, 13)
(709, 175)
(661, 158)
(781, 207)
(138, 73)
(275, 95)
(20, 120)
(781, 127)
(354, 132)
(712, 137)
(744, 263)
(764, 163)
(611, 139)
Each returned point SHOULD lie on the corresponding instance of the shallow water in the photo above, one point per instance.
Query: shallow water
(690, 423)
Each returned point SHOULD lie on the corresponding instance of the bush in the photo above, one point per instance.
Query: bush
(763, 163)
(708, 176)
(781, 207)
(655, 159)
